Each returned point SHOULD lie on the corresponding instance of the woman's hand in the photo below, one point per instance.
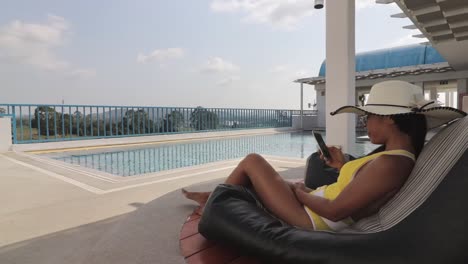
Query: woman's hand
(301, 194)
(337, 158)
(301, 186)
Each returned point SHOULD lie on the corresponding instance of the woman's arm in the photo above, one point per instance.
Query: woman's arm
(316, 203)
(374, 181)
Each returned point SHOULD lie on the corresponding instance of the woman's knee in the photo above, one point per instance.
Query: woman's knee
(254, 158)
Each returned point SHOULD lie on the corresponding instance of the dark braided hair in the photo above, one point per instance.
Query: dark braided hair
(415, 126)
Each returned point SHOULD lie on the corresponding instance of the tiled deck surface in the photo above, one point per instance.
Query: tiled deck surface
(54, 215)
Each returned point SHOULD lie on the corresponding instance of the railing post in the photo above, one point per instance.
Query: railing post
(15, 139)
(302, 106)
(13, 122)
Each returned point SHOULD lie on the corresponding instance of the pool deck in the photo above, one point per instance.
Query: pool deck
(56, 213)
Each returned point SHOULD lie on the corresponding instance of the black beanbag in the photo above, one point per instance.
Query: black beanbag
(436, 232)
(318, 173)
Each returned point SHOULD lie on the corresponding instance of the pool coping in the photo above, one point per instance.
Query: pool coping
(99, 182)
(61, 146)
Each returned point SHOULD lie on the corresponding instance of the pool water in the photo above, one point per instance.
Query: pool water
(161, 157)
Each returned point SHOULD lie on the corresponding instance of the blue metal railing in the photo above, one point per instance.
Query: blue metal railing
(35, 123)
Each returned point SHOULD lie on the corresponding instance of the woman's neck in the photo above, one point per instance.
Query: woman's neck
(399, 140)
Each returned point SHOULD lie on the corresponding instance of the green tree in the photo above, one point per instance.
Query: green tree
(98, 128)
(136, 122)
(95, 128)
(202, 119)
(177, 119)
(65, 121)
(44, 118)
(77, 123)
(172, 122)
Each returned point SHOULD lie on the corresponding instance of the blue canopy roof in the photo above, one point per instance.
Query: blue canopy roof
(394, 57)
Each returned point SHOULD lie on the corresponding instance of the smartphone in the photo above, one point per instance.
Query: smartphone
(323, 147)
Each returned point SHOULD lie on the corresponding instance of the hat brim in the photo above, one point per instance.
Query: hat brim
(372, 109)
(435, 116)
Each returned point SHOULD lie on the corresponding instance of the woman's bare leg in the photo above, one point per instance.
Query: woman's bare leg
(275, 193)
(237, 177)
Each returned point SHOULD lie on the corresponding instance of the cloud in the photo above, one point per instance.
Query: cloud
(228, 80)
(35, 43)
(83, 73)
(284, 14)
(361, 4)
(406, 40)
(279, 13)
(218, 65)
(161, 55)
(280, 68)
(290, 72)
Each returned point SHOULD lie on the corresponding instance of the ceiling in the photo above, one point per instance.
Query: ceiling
(444, 23)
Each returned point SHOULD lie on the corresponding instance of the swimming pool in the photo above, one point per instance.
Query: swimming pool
(160, 157)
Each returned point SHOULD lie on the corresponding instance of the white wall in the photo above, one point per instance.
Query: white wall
(320, 99)
(5, 134)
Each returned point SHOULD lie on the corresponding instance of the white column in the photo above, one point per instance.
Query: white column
(5, 134)
(465, 103)
(420, 84)
(462, 85)
(433, 93)
(462, 88)
(321, 111)
(302, 107)
(340, 74)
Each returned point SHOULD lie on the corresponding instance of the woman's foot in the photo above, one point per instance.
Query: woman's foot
(199, 197)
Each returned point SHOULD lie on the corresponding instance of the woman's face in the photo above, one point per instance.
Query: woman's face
(377, 128)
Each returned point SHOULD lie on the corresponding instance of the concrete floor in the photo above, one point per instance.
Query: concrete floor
(52, 213)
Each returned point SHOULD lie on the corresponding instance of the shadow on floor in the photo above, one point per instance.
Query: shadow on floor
(149, 234)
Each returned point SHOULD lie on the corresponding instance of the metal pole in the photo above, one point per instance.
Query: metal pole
(302, 107)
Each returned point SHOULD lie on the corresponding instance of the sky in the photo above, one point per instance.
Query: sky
(180, 53)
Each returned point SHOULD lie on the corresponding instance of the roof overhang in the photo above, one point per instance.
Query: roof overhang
(399, 72)
(445, 24)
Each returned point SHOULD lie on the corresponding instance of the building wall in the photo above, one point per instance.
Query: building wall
(320, 94)
(5, 134)
(444, 91)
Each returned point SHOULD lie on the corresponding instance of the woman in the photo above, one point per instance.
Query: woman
(396, 120)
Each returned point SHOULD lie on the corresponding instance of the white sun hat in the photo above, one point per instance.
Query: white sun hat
(398, 97)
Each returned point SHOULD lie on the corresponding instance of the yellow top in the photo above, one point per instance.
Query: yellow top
(347, 173)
